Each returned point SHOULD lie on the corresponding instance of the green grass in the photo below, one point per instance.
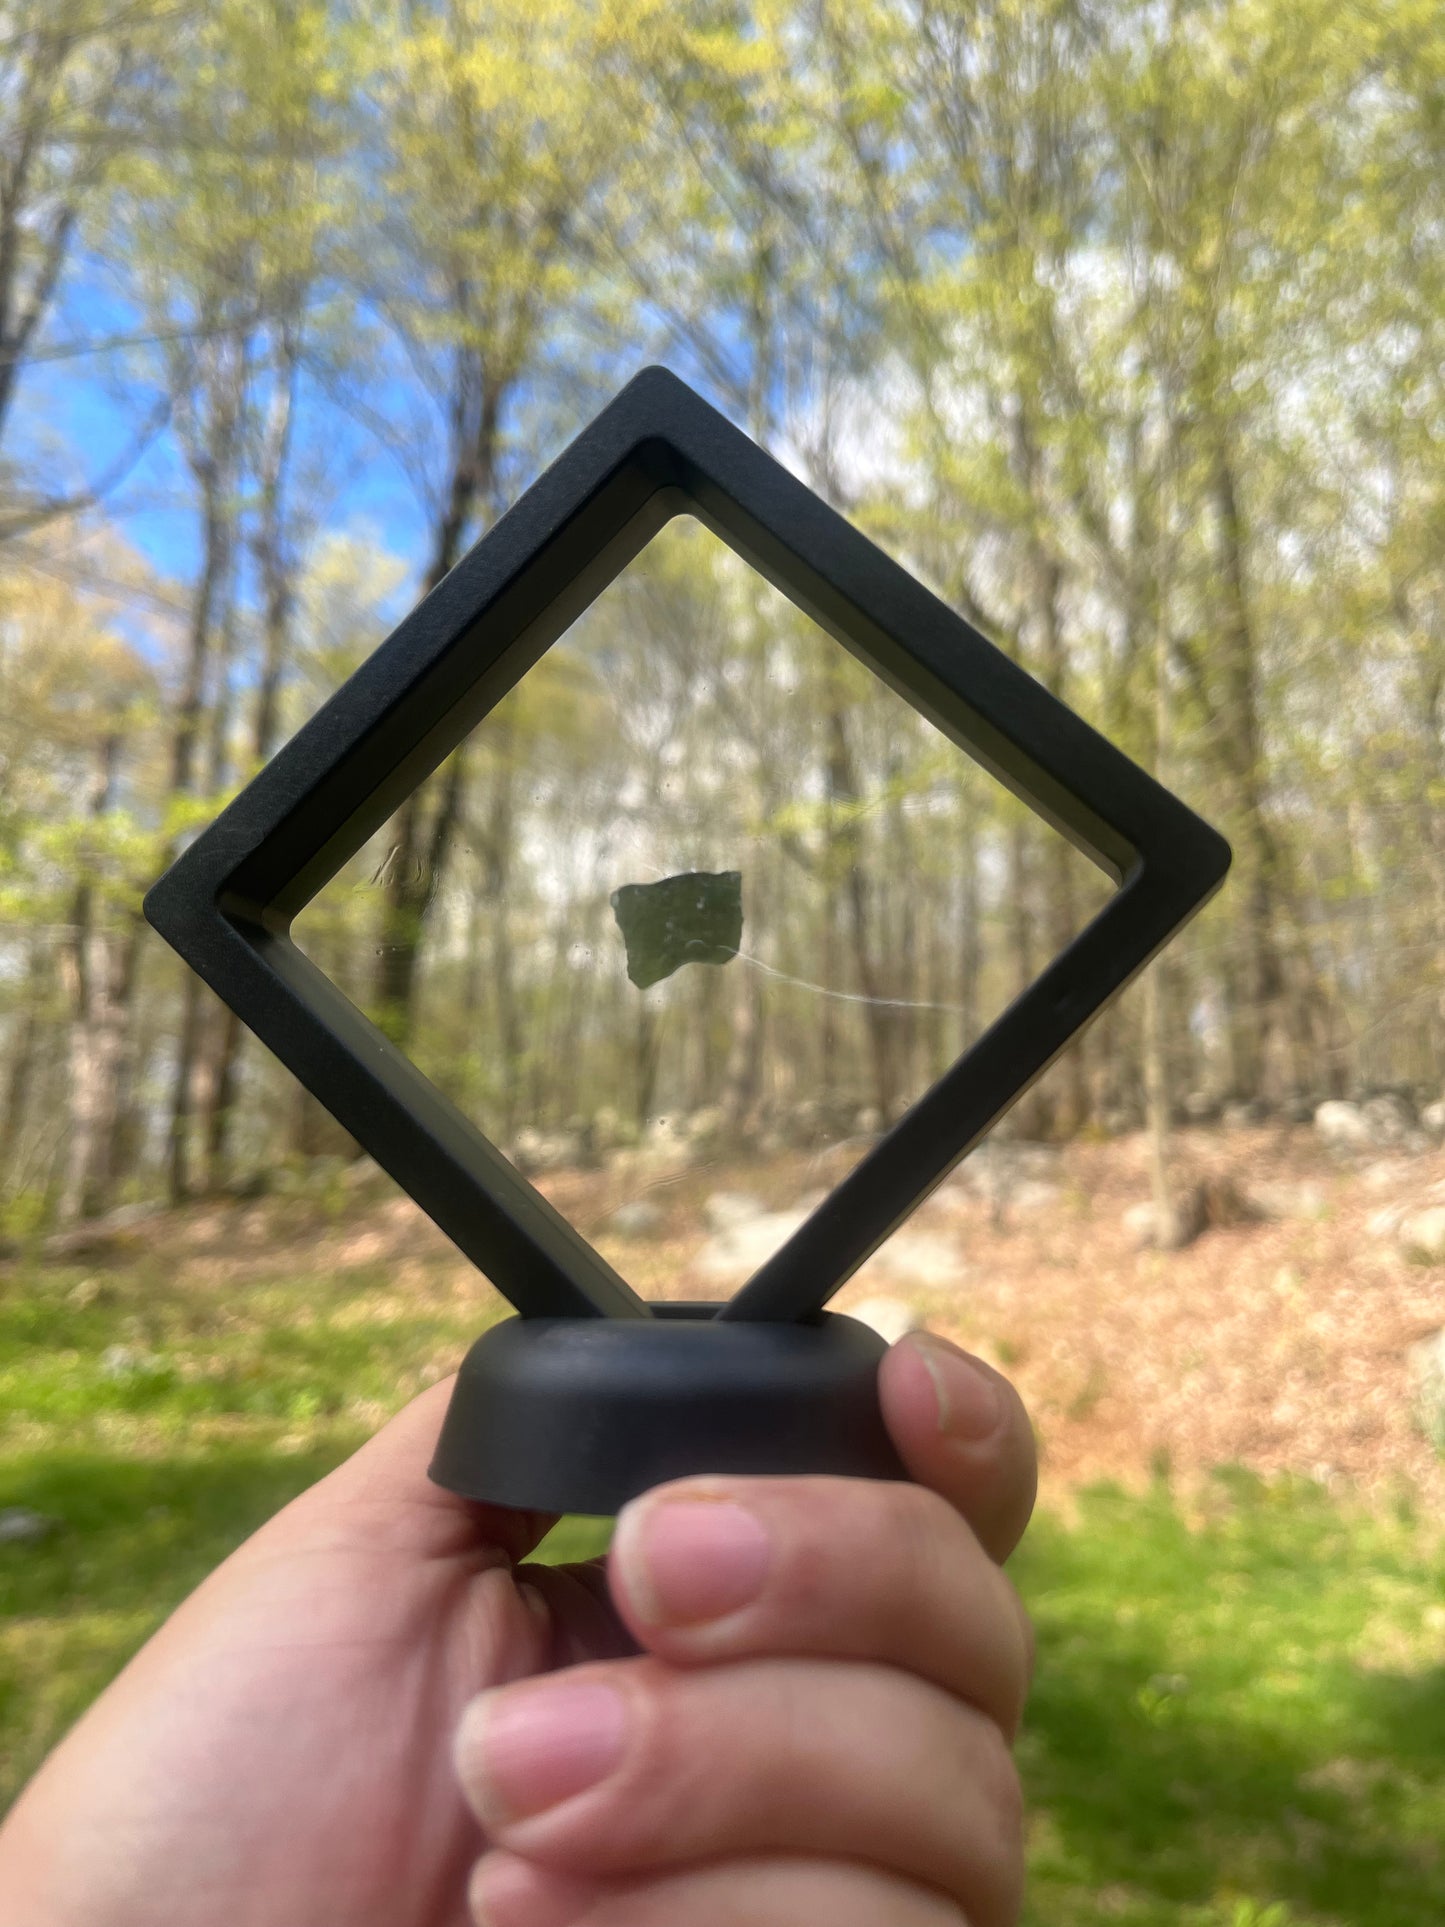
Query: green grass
(1239, 1718)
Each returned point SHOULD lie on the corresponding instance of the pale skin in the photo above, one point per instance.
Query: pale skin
(779, 1700)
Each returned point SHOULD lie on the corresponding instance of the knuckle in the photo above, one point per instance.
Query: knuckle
(985, 1866)
(664, 1745)
(1026, 1632)
(928, 1510)
(659, 1775)
(1016, 1630)
(923, 1526)
(999, 1789)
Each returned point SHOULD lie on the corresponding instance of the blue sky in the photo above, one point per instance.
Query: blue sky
(78, 414)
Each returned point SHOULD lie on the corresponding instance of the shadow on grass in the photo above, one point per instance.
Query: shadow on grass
(131, 1538)
(132, 1533)
(1225, 1718)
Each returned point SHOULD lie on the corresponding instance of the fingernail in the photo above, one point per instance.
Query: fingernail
(685, 1561)
(970, 1402)
(523, 1749)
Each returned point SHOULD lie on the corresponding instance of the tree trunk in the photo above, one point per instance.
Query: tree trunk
(1257, 879)
(93, 964)
(186, 1090)
(19, 1082)
(647, 1052)
(420, 847)
(1431, 706)
(1156, 1065)
(858, 896)
(741, 1073)
(215, 469)
(970, 946)
(276, 570)
(1068, 1090)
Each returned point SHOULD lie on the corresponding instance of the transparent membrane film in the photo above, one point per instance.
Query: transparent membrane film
(693, 914)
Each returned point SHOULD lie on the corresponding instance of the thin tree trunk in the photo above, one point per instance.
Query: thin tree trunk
(499, 853)
(1067, 1087)
(1432, 827)
(1156, 1065)
(215, 468)
(278, 597)
(420, 848)
(904, 976)
(19, 1082)
(93, 963)
(970, 946)
(646, 1054)
(1257, 974)
(843, 789)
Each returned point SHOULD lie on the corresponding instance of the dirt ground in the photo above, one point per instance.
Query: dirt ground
(1277, 1345)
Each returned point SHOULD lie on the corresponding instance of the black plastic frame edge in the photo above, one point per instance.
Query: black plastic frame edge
(656, 450)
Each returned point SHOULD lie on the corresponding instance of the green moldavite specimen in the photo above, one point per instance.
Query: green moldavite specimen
(694, 918)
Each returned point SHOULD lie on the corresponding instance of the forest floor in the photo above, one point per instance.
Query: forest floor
(1238, 1572)
(1278, 1345)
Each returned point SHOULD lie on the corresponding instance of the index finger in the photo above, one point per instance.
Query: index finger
(870, 1570)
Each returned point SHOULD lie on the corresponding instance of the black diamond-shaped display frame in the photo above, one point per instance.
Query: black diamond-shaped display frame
(655, 451)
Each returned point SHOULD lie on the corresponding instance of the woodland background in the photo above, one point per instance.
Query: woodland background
(1123, 324)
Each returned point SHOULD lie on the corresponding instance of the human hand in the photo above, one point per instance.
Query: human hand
(280, 1754)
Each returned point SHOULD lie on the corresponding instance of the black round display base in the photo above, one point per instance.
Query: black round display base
(582, 1414)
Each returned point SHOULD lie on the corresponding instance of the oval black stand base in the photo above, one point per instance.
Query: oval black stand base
(582, 1414)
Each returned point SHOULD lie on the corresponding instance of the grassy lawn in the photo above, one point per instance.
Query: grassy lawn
(1239, 1719)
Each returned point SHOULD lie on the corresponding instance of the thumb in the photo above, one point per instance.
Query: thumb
(961, 1429)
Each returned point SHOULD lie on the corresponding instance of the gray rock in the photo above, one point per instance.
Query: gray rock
(1422, 1233)
(1138, 1222)
(1391, 1122)
(641, 1163)
(921, 1259)
(251, 1185)
(1032, 1194)
(1179, 1225)
(96, 1236)
(1432, 1121)
(1248, 1111)
(1277, 1199)
(891, 1318)
(724, 1209)
(1200, 1107)
(1343, 1127)
(1384, 1174)
(19, 1526)
(534, 1151)
(999, 1167)
(735, 1253)
(126, 1361)
(609, 1130)
(1426, 1362)
(636, 1219)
